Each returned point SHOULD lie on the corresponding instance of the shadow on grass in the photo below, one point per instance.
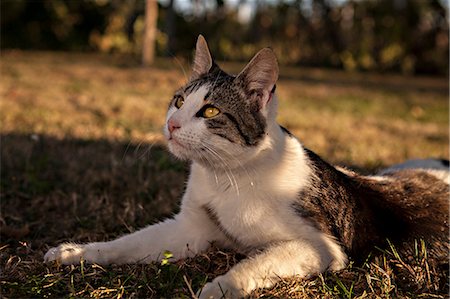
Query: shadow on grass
(60, 189)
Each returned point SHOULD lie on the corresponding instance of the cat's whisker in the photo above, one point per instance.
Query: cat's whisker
(208, 160)
(215, 81)
(136, 149)
(224, 152)
(126, 150)
(147, 151)
(244, 168)
(221, 152)
(232, 181)
(227, 168)
(178, 62)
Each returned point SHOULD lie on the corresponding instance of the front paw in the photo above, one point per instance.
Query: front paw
(66, 254)
(220, 288)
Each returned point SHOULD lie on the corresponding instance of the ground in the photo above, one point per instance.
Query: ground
(83, 159)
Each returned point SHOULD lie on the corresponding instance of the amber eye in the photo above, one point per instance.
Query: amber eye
(210, 112)
(179, 102)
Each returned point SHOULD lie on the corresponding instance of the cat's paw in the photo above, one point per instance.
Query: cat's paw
(219, 288)
(66, 254)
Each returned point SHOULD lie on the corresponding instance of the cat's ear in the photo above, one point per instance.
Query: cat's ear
(203, 61)
(261, 73)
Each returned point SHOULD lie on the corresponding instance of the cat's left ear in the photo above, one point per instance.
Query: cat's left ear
(203, 61)
(260, 75)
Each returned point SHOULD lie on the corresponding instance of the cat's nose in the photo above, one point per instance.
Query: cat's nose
(173, 125)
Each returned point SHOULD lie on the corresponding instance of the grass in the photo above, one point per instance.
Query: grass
(83, 159)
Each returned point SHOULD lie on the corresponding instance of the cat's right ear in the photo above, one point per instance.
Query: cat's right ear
(203, 61)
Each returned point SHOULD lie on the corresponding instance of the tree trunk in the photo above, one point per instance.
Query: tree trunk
(151, 18)
(170, 29)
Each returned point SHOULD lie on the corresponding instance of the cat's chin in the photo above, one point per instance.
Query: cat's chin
(178, 150)
(184, 154)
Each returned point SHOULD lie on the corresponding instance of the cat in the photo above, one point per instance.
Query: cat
(254, 188)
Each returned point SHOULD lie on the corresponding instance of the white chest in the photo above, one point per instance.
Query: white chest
(253, 213)
(251, 221)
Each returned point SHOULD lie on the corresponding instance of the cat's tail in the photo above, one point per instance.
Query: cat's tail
(437, 167)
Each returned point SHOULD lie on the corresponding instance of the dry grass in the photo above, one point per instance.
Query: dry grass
(82, 159)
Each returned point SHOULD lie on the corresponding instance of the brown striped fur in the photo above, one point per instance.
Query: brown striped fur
(362, 212)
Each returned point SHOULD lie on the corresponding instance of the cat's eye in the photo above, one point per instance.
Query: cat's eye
(179, 102)
(210, 111)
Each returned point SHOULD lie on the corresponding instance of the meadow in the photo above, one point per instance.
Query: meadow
(83, 159)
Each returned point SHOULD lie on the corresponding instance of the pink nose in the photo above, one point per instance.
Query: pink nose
(173, 125)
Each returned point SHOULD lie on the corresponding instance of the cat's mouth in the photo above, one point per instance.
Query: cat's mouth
(174, 141)
(185, 151)
(177, 149)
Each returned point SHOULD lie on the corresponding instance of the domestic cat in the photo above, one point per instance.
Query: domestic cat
(255, 189)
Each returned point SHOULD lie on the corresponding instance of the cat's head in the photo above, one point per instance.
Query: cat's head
(217, 118)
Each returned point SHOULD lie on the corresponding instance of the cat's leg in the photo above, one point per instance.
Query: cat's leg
(287, 259)
(188, 233)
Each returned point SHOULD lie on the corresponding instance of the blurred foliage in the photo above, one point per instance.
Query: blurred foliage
(408, 36)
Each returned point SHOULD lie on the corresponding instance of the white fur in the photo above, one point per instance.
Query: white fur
(440, 174)
(431, 166)
(417, 164)
(251, 194)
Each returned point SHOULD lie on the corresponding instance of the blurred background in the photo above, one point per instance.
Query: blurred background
(406, 36)
(363, 83)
